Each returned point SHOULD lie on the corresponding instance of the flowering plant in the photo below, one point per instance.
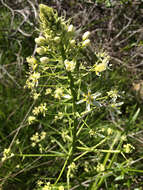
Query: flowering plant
(61, 79)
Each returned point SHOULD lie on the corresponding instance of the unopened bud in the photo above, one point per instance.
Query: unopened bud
(85, 43)
(40, 40)
(44, 60)
(71, 28)
(86, 35)
(72, 42)
(41, 50)
(57, 39)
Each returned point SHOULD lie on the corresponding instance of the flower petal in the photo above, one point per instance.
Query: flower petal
(80, 101)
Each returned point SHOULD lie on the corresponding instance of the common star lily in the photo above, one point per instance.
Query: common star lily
(90, 99)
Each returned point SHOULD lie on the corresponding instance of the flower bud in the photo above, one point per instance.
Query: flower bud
(31, 60)
(41, 50)
(40, 40)
(72, 42)
(44, 60)
(86, 35)
(85, 43)
(70, 28)
(57, 39)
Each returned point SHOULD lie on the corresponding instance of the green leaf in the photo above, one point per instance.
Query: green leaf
(120, 177)
(135, 116)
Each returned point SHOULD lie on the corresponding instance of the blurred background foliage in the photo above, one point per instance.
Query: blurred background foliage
(115, 26)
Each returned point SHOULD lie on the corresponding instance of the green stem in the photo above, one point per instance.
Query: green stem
(61, 171)
(74, 109)
(99, 180)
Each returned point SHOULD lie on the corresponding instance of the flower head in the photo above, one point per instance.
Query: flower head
(128, 148)
(70, 65)
(100, 167)
(31, 119)
(102, 63)
(32, 62)
(58, 93)
(48, 91)
(113, 94)
(35, 96)
(90, 99)
(100, 68)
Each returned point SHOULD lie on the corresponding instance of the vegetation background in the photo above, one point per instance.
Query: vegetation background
(115, 26)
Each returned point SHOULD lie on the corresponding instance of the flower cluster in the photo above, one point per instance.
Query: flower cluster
(31, 119)
(48, 186)
(72, 169)
(128, 148)
(7, 154)
(102, 63)
(58, 93)
(48, 91)
(70, 65)
(36, 138)
(40, 109)
(32, 81)
(100, 167)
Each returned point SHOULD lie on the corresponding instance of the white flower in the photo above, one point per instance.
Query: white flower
(128, 148)
(48, 91)
(35, 76)
(100, 68)
(7, 154)
(43, 135)
(70, 65)
(36, 111)
(31, 119)
(33, 79)
(35, 138)
(90, 99)
(85, 35)
(113, 94)
(32, 62)
(35, 96)
(100, 167)
(109, 131)
(67, 96)
(58, 93)
(43, 108)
